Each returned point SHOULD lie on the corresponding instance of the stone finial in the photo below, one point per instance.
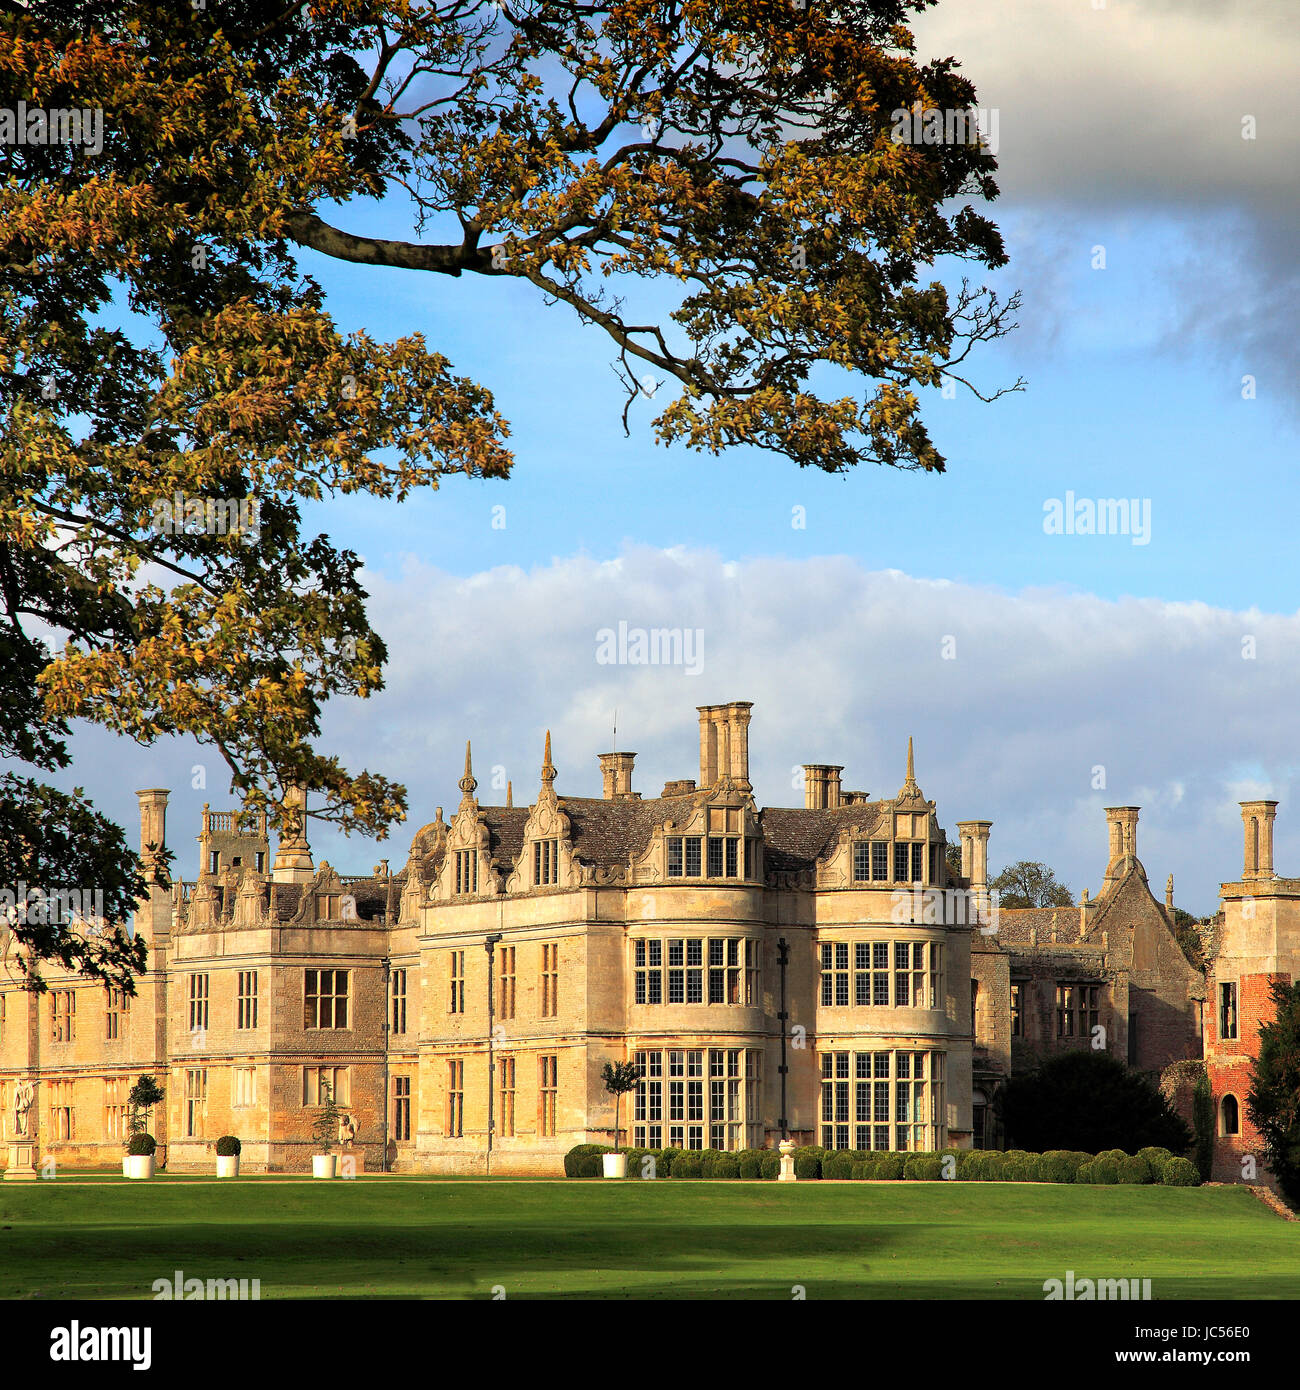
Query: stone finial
(1169, 893)
(467, 783)
(548, 771)
(510, 794)
(909, 787)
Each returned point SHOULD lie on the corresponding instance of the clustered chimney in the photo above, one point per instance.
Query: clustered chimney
(724, 743)
(616, 773)
(1257, 827)
(1122, 828)
(821, 786)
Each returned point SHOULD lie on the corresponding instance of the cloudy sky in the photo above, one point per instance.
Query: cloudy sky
(855, 611)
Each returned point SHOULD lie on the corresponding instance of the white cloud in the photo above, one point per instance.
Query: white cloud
(842, 665)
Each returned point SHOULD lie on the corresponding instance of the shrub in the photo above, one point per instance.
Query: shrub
(227, 1146)
(722, 1167)
(750, 1166)
(923, 1168)
(1119, 1155)
(837, 1165)
(688, 1165)
(1180, 1172)
(1101, 1172)
(769, 1163)
(583, 1161)
(1135, 1170)
(1013, 1170)
(1203, 1124)
(1275, 1082)
(1057, 1167)
(1089, 1100)
(142, 1145)
(807, 1165)
(889, 1167)
(1155, 1156)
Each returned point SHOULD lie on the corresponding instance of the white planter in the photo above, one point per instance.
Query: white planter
(126, 1158)
(615, 1165)
(138, 1165)
(324, 1165)
(227, 1165)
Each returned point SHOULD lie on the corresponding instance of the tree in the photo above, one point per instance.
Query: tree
(174, 388)
(1273, 1102)
(325, 1127)
(1089, 1101)
(619, 1078)
(1028, 883)
(1203, 1125)
(143, 1096)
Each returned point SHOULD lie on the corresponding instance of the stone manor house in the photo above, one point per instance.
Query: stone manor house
(818, 971)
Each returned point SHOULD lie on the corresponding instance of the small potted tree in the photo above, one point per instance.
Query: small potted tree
(139, 1160)
(619, 1078)
(325, 1131)
(140, 1101)
(228, 1156)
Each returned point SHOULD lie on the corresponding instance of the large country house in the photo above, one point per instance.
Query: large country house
(817, 971)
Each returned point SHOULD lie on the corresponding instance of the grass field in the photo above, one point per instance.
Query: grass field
(669, 1240)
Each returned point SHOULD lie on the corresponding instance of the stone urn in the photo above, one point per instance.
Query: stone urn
(615, 1165)
(787, 1173)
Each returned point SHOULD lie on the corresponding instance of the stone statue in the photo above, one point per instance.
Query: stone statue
(347, 1132)
(24, 1093)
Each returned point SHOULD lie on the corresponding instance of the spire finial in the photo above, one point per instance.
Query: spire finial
(911, 764)
(467, 783)
(548, 772)
(510, 794)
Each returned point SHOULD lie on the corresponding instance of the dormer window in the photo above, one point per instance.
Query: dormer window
(909, 862)
(871, 861)
(466, 871)
(546, 863)
(685, 856)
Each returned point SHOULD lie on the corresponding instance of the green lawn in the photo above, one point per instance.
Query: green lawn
(402, 1239)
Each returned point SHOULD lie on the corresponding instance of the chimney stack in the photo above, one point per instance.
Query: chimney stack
(1122, 828)
(616, 773)
(724, 743)
(975, 857)
(1257, 827)
(293, 854)
(153, 914)
(821, 786)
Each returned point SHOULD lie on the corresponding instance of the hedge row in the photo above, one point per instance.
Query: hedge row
(1114, 1167)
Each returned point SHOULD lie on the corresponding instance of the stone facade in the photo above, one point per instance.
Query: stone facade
(816, 971)
(1107, 974)
(464, 1007)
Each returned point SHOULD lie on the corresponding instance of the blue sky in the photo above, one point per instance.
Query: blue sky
(1120, 127)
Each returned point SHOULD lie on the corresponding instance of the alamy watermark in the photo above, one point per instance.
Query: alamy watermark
(37, 125)
(954, 125)
(1107, 516)
(51, 907)
(207, 516)
(655, 646)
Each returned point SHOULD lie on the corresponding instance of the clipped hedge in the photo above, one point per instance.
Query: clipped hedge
(1180, 1172)
(1114, 1167)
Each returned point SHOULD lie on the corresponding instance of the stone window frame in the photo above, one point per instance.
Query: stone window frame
(660, 973)
(397, 996)
(455, 1113)
(548, 1094)
(546, 862)
(1224, 1131)
(1229, 1011)
(864, 1099)
(456, 981)
(505, 1112)
(200, 988)
(402, 1099)
(246, 1010)
(338, 1081)
(873, 968)
(697, 1097)
(63, 1015)
(196, 1101)
(117, 1007)
(550, 1002)
(243, 1088)
(506, 981)
(328, 1003)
